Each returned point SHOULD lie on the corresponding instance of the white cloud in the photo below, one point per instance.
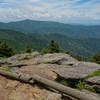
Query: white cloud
(35, 0)
(58, 10)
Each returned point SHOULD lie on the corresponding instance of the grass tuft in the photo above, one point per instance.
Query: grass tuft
(80, 85)
(96, 73)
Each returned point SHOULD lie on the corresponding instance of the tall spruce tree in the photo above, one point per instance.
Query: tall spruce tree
(53, 47)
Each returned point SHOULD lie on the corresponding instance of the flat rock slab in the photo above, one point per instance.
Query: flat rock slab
(56, 58)
(78, 71)
(94, 80)
(43, 70)
(18, 57)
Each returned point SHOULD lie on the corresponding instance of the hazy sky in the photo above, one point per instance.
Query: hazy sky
(67, 11)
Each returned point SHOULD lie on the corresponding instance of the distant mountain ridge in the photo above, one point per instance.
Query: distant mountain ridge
(49, 27)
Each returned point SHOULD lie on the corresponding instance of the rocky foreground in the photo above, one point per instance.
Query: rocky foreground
(54, 67)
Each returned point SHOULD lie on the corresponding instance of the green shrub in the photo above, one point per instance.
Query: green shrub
(77, 84)
(80, 85)
(68, 82)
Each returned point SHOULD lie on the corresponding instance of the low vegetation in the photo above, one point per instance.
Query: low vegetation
(77, 84)
(53, 47)
(7, 68)
(80, 85)
(96, 73)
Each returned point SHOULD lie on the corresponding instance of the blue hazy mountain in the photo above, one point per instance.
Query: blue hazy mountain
(48, 27)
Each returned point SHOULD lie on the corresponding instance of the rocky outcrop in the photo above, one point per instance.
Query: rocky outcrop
(49, 66)
(56, 58)
(18, 57)
(51, 84)
(23, 56)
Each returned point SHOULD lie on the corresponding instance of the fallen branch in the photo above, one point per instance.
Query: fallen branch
(19, 77)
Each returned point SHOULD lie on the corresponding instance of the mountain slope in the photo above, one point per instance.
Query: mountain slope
(84, 47)
(20, 40)
(47, 27)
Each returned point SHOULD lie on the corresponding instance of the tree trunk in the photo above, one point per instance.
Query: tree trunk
(19, 77)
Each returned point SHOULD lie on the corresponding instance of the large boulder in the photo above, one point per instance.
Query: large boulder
(78, 71)
(56, 58)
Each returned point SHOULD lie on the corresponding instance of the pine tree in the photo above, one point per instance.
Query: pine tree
(5, 50)
(53, 47)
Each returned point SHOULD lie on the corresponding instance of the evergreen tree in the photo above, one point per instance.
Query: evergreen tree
(5, 50)
(53, 47)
